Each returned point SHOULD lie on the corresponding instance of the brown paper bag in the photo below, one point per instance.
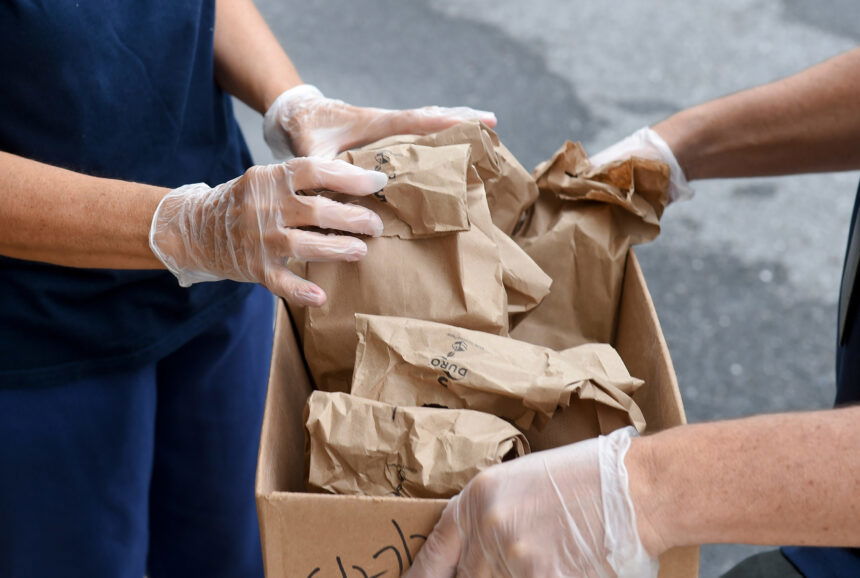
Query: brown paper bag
(582, 420)
(440, 258)
(510, 188)
(426, 191)
(455, 277)
(526, 284)
(579, 232)
(358, 446)
(407, 362)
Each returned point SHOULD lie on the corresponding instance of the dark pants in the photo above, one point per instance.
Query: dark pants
(148, 470)
(771, 564)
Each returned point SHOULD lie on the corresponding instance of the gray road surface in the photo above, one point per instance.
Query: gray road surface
(745, 276)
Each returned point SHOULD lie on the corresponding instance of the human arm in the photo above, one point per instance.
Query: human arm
(250, 64)
(47, 214)
(808, 122)
(776, 479)
(244, 229)
(770, 479)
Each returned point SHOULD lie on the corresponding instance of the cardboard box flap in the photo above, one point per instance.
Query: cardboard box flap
(282, 437)
(650, 360)
(647, 359)
(343, 535)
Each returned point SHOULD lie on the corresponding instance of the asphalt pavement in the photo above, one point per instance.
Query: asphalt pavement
(745, 276)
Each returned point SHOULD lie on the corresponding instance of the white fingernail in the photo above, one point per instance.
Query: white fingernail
(379, 180)
(376, 225)
(310, 296)
(357, 246)
(357, 249)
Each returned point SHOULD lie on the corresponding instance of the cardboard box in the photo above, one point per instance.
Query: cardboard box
(308, 535)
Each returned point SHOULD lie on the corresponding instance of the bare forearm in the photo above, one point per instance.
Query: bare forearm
(809, 122)
(57, 216)
(249, 61)
(775, 479)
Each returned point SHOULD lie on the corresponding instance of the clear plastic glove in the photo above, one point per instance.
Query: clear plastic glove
(305, 123)
(648, 144)
(246, 229)
(561, 512)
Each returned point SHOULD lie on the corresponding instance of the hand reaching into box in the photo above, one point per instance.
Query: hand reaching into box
(560, 512)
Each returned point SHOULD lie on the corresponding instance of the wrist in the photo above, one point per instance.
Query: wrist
(290, 94)
(172, 229)
(281, 114)
(275, 90)
(684, 132)
(651, 502)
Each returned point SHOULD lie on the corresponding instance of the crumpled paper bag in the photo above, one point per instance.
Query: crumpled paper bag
(440, 258)
(407, 362)
(358, 446)
(579, 232)
(426, 191)
(510, 188)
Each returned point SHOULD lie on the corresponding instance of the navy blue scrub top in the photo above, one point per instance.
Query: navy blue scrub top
(119, 89)
(841, 562)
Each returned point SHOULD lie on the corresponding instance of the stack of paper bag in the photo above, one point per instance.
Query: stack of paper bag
(579, 232)
(440, 257)
(433, 368)
(358, 446)
(408, 362)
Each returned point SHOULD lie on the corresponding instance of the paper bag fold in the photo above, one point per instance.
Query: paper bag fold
(579, 232)
(510, 188)
(426, 192)
(358, 446)
(407, 362)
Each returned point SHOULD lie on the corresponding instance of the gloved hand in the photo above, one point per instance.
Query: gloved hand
(245, 229)
(561, 512)
(646, 143)
(306, 123)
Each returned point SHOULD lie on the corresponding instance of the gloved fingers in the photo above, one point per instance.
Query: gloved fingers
(344, 126)
(313, 246)
(304, 121)
(360, 126)
(631, 146)
(297, 291)
(486, 523)
(325, 213)
(523, 557)
(309, 173)
(647, 143)
(475, 563)
(432, 119)
(440, 553)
